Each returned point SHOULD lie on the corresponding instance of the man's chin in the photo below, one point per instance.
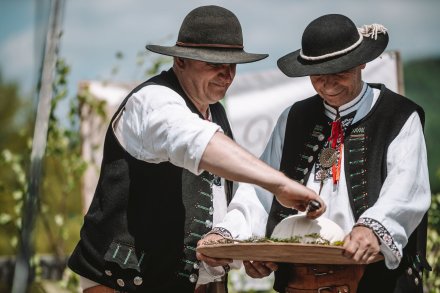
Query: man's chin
(218, 95)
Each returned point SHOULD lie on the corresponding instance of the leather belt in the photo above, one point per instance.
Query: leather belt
(321, 278)
(329, 289)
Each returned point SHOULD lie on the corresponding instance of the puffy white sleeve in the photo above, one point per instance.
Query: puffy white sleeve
(249, 209)
(156, 126)
(405, 195)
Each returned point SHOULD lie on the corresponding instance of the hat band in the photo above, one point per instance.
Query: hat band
(333, 54)
(368, 31)
(183, 44)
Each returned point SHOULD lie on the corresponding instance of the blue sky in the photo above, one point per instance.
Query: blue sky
(95, 30)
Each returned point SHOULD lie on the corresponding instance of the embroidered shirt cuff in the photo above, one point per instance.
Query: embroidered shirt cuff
(385, 238)
(220, 231)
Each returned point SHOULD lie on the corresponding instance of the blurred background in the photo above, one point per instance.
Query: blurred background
(104, 40)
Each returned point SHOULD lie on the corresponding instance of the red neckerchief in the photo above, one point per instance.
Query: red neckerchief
(336, 140)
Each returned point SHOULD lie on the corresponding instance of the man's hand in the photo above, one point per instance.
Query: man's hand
(213, 262)
(298, 196)
(361, 245)
(259, 269)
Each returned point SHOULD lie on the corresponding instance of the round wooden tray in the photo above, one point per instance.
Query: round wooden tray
(279, 252)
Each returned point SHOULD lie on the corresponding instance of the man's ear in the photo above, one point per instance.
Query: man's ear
(180, 62)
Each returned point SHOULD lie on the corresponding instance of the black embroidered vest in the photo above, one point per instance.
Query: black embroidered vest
(142, 227)
(365, 149)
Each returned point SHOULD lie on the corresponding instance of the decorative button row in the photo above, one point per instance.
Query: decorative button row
(120, 282)
(193, 278)
(313, 147)
(409, 271)
(210, 210)
(308, 158)
(207, 223)
(137, 280)
(318, 135)
(304, 171)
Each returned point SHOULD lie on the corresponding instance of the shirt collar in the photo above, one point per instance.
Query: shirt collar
(347, 108)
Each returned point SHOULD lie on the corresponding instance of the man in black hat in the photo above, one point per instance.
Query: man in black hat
(361, 147)
(166, 152)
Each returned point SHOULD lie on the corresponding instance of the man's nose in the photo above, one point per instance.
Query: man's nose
(325, 79)
(228, 71)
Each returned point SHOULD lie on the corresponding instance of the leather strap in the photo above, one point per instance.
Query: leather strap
(183, 44)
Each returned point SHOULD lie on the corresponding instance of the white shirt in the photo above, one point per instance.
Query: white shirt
(157, 126)
(403, 200)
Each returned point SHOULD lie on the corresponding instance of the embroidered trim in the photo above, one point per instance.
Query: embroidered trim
(381, 232)
(220, 231)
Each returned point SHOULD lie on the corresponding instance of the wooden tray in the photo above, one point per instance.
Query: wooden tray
(279, 252)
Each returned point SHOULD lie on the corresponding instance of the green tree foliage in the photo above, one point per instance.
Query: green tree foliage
(60, 200)
(422, 85)
(432, 280)
(14, 115)
(15, 121)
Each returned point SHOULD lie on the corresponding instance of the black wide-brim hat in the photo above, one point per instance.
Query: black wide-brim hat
(211, 34)
(332, 43)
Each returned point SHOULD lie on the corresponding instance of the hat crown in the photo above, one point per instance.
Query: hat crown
(329, 34)
(211, 25)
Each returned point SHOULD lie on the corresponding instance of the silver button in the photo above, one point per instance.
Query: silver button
(193, 278)
(409, 271)
(315, 148)
(208, 224)
(416, 281)
(196, 265)
(120, 282)
(137, 281)
(211, 210)
(305, 171)
(310, 159)
(321, 137)
(108, 272)
(301, 181)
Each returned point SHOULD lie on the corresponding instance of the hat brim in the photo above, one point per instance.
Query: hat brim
(211, 55)
(293, 65)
